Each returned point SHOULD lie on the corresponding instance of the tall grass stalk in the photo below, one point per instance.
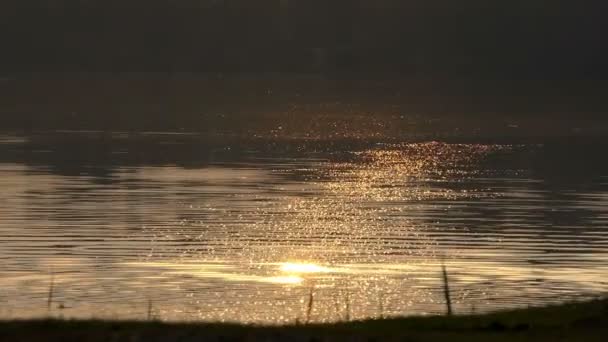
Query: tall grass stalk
(338, 306)
(446, 290)
(51, 293)
(347, 307)
(149, 309)
(381, 304)
(309, 304)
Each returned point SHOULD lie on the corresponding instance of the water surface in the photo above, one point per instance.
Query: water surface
(183, 227)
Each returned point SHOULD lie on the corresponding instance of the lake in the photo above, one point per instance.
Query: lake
(189, 227)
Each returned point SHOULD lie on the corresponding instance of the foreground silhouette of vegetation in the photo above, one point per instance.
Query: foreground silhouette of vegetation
(585, 321)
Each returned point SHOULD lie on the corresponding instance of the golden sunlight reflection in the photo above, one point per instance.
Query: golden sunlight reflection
(367, 231)
(286, 280)
(299, 268)
(224, 272)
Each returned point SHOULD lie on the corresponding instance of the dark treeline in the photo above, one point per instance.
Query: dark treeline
(473, 38)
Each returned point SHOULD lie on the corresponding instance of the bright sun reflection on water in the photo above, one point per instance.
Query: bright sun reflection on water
(299, 268)
(286, 280)
(249, 241)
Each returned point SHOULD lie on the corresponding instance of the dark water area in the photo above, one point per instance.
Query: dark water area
(240, 227)
(307, 106)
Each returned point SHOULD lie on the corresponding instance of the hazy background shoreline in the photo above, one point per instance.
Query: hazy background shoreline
(305, 105)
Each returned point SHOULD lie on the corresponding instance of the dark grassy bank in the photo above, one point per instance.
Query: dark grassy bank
(569, 322)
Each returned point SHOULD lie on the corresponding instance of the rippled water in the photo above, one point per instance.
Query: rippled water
(180, 227)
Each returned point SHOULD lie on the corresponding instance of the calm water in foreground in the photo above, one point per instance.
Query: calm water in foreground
(181, 227)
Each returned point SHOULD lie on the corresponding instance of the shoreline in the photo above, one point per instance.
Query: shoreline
(579, 321)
